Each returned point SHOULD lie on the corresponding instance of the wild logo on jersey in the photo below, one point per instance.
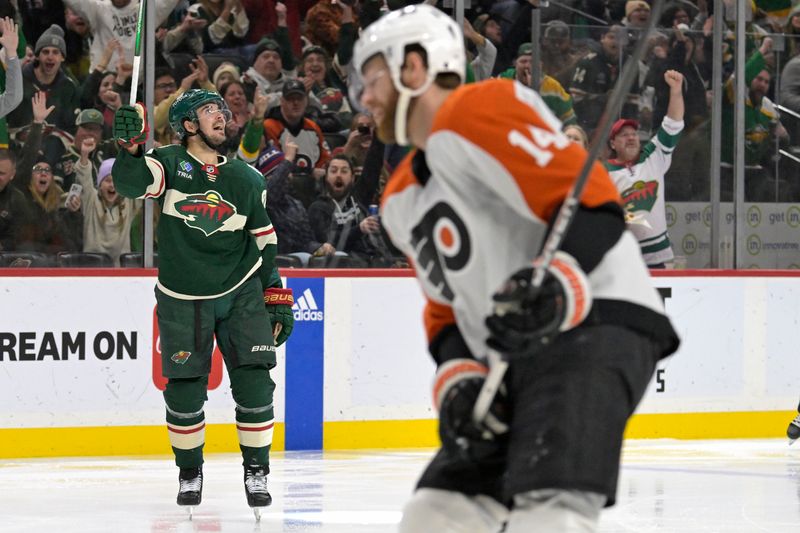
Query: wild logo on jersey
(181, 357)
(641, 196)
(206, 212)
(441, 241)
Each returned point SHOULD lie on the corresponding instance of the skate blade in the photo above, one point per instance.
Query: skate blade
(792, 441)
(190, 511)
(257, 513)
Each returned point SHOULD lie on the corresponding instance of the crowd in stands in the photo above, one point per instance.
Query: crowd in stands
(282, 69)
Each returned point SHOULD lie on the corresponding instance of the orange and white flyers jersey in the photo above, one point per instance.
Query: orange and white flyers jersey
(499, 169)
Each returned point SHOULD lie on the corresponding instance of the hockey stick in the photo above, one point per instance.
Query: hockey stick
(137, 53)
(498, 363)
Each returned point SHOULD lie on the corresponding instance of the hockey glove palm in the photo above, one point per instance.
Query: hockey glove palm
(525, 318)
(279, 304)
(458, 384)
(130, 125)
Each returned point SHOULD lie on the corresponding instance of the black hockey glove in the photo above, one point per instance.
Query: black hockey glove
(457, 385)
(130, 125)
(525, 318)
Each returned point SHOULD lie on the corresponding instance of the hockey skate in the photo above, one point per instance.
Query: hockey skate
(793, 431)
(190, 492)
(255, 487)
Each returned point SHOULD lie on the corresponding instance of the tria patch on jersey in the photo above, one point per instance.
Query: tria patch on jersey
(184, 170)
(208, 212)
(641, 196)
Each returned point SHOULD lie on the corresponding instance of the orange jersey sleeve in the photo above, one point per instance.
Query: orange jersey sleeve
(436, 317)
(272, 131)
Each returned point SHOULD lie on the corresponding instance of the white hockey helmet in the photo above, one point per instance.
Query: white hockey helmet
(423, 25)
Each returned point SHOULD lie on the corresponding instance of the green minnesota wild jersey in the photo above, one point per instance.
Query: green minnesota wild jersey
(214, 232)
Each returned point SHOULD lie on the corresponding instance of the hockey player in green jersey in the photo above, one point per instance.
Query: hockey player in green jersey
(216, 252)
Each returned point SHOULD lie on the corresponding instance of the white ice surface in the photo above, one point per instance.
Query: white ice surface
(665, 486)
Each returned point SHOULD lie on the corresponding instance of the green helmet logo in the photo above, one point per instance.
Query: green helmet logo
(185, 107)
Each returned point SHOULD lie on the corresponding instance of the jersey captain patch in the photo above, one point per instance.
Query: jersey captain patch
(207, 212)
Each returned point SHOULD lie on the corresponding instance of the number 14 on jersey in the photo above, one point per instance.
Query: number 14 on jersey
(540, 148)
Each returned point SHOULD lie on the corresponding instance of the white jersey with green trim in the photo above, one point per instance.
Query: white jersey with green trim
(641, 185)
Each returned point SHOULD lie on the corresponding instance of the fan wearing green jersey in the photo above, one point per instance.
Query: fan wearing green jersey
(216, 256)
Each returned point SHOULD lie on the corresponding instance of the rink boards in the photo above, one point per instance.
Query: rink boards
(80, 363)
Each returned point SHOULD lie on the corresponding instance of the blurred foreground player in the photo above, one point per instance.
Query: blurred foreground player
(216, 252)
(471, 206)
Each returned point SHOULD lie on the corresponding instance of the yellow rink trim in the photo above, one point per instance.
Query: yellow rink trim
(728, 425)
(114, 440)
(380, 434)
(153, 440)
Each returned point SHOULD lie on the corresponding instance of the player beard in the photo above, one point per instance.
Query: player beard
(385, 127)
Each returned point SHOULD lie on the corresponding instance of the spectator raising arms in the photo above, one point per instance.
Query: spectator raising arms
(24, 52)
(56, 220)
(45, 74)
(103, 88)
(62, 152)
(638, 172)
(107, 216)
(186, 37)
(226, 24)
(115, 19)
(9, 38)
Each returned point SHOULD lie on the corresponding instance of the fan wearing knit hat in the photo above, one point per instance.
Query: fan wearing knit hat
(50, 52)
(45, 74)
(637, 13)
(53, 37)
(225, 73)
